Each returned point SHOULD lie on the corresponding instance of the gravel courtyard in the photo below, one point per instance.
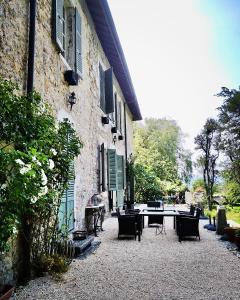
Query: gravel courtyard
(158, 267)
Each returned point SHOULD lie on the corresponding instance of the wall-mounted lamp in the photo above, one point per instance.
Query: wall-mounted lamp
(114, 139)
(72, 99)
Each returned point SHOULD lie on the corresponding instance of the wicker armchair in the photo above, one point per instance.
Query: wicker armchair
(190, 212)
(127, 226)
(187, 225)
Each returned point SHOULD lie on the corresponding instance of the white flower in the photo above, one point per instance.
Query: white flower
(34, 199)
(44, 177)
(43, 191)
(3, 186)
(36, 161)
(54, 152)
(14, 230)
(51, 164)
(20, 162)
(25, 169)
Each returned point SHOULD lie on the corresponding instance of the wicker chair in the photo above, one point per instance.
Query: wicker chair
(127, 226)
(187, 225)
(138, 218)
(190, 212)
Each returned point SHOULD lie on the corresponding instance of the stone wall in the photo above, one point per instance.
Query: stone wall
(49, 82)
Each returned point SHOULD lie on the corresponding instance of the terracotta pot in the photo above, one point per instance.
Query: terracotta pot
(230, 232)
(6, 292)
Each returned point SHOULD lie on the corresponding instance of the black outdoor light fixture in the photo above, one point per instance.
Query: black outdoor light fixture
(72, 99)
(114, 139)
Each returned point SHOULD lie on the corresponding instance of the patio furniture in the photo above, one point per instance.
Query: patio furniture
(138, 218)
(157, 222)
(127, 226)
(190, 212)
(94, 218)
(159, 214)
(187, 225)
(155, 203)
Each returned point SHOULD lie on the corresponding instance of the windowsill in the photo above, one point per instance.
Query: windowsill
(68, 67)
(65, 62)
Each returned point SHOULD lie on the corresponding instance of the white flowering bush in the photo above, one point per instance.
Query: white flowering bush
(35, 158)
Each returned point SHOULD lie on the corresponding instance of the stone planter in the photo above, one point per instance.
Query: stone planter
(6, 292)
(230, 233)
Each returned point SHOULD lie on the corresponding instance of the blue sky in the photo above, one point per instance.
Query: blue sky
(224, 16)
(180, 54)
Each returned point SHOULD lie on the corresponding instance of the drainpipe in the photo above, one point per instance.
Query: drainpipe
(31, 46)
(25, 234)
(125, 131)
(125, 141)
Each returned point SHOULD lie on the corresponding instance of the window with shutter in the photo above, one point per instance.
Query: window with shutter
(103, 183)
(66, 210)
(58, 24)
(112, 168)
(67, 33)
(78, 43)
(109, 100)
(120, 172)
(102, 87)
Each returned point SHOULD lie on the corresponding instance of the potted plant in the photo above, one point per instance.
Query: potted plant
(237, 238)
(6, 291)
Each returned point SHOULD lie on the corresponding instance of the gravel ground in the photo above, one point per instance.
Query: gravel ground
(158, 267)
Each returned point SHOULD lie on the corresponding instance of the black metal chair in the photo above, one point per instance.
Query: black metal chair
(187, 225)
(154, 203)
(158, 222)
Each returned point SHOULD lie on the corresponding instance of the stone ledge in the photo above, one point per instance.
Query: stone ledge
(81, 245)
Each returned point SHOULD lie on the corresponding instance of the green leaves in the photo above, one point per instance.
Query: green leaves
(165, 163)
(35, 158)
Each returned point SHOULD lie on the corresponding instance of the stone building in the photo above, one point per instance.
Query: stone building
(77, 57)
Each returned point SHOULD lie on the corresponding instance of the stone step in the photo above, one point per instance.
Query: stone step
(81, 245)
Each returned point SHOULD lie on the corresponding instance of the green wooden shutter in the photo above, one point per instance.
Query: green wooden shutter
(58, 24)
(70, 204)
(62, 213)
(78, 43)
(66, 210)
(103, 183)
(102, 87)
(109, 100)
(112, 164)
(120, 172)
(120, 199)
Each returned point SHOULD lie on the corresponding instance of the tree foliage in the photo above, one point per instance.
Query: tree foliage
(229, 121)
(208, 143)
(161, 163)
(35, 158)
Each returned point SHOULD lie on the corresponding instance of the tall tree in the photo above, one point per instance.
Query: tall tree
(208, 142)
(229, 120)
(159, 151)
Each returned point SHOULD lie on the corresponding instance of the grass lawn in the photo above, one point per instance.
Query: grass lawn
(233, 214)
